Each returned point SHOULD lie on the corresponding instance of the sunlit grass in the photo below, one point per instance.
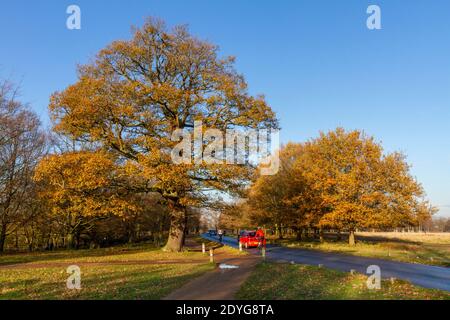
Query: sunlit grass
(432, 249)
(43, 275)
(119, 253)
(300, 282)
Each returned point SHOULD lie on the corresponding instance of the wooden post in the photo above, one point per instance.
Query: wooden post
(240, 246)
(203, 248)
(211, 255)
(263, 252)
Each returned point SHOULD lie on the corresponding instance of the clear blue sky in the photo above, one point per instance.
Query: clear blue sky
(316, 62)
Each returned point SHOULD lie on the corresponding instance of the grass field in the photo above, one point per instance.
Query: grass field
(145, 272)
(300, 282)
(140, 272)
(429, 248)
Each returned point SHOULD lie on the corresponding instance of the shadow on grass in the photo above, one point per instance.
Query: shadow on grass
(289, 284)
(299, 282)
(146, 283)
(19, 258)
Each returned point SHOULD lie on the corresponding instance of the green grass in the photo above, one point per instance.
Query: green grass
(413, 248)
(43, 275)
(300, 282)
(88, 255)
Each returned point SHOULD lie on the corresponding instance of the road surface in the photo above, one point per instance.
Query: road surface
(422, 275)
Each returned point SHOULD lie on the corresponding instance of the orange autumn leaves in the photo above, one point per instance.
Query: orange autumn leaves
(82, 184)
(132, 97)
(341, 180)
(136, 93)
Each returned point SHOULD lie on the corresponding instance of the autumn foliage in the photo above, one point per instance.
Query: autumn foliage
(82, 187)
(340, 181)
(136, 93)
(115, 180)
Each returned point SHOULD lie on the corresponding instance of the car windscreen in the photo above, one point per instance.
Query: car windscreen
(251, 234)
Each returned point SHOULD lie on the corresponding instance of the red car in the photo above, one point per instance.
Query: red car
(251, 239)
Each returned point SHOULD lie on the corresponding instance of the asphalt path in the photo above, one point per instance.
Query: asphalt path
(422, 275)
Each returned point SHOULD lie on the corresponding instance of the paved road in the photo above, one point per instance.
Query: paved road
(419, 274)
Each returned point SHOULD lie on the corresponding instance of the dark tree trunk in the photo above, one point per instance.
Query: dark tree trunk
(178, 219)
(17, 241)
(315, 233)
(70, 241)
(280, 232)
(78, 240)
(131, 238)
(2, 238)
(299, 234)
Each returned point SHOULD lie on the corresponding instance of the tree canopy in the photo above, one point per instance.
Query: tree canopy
(136, 93)
(343, 181)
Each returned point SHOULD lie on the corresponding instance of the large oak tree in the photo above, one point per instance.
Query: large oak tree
(136, 93)
(359, 185)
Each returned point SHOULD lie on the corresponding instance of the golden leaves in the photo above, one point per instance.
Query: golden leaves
(82, 183)
(138, 91)
(340, 180)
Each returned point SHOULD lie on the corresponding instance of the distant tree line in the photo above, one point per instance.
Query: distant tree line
(437, 224)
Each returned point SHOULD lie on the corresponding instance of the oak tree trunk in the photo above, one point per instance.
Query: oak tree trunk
(299, 234)
(351, 238)
(177, 230)
(2, 237)
(280, 232)
(70, 241)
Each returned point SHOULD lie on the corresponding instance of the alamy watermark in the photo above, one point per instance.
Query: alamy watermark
(73, 22)
(73, 282)
(232, 147)
(374, 20)
(374, 280)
